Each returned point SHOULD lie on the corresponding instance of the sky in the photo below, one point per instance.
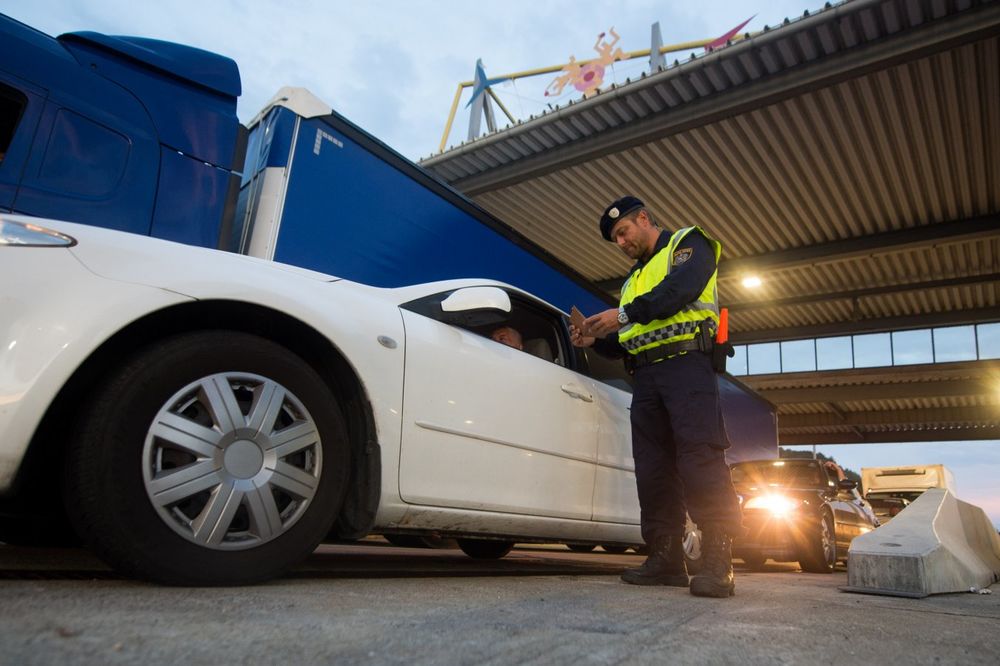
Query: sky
(392, 68)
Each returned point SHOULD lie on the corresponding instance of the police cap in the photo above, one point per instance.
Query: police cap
(618, 209)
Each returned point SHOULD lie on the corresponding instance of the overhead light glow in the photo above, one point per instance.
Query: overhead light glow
(751, 282)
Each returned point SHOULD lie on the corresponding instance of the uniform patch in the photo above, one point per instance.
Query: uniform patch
(682, 255)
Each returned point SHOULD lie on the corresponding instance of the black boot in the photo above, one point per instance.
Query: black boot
(664, 565)
(716, 576)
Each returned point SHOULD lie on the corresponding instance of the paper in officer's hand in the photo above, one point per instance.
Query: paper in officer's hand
(577, 319)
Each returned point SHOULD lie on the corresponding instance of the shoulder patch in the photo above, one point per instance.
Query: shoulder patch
(682, 255)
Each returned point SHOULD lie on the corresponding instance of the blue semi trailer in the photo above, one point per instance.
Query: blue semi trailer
(320, 192)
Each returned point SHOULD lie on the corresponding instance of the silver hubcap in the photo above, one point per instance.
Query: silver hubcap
(231, 461)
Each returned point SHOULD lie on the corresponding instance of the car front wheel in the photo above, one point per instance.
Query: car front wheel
(211, 458)
(820, 549)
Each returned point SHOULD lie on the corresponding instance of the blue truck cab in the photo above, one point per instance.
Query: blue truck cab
(127, 133)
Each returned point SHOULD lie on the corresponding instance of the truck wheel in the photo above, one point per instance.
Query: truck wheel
(581, 547)
(819, 553)
(212, 458)
(485, 549)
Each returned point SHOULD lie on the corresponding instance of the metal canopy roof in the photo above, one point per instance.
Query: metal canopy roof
(849, 158)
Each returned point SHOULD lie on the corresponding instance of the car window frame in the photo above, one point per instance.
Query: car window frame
(523, 306)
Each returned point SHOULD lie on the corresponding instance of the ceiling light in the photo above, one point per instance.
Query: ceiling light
(751, 282)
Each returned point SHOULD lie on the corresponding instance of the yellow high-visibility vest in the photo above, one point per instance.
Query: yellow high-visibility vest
(683, 325)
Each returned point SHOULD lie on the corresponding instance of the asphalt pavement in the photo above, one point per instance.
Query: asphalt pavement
(378, 604)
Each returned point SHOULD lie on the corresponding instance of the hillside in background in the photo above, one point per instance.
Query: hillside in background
(789, 453)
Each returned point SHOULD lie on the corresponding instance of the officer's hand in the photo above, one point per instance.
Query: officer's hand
(602, 323)
(577, 337)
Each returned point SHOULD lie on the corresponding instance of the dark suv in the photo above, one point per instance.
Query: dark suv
(797, 510)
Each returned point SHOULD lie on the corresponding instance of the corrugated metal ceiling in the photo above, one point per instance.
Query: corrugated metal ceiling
(850, 155)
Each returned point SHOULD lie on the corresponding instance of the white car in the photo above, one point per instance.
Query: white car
(209, 418)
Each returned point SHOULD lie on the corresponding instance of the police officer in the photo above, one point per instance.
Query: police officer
(664, 326)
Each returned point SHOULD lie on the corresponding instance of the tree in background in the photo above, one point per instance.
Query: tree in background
(789, 453)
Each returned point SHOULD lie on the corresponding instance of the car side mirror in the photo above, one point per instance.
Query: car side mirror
(847, 484)
(476, 306)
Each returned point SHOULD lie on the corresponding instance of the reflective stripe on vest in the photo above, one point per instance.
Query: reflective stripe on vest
(683, 325)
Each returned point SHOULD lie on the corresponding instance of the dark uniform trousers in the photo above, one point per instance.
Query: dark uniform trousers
(678, 442)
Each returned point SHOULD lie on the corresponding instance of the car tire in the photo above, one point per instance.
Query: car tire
(581, 547)
(753, 561)
(820, 551)
(485, 549)
(240, 442)
(614, 550)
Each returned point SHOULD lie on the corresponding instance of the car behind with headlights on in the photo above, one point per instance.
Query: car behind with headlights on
(795, 510)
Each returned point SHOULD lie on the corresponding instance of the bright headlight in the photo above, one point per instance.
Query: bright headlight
(26, 234)
(776, 505)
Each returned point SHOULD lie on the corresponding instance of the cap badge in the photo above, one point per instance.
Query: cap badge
(613, 213)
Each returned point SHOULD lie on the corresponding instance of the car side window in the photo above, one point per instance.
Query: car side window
(539, 327)
(12, 104)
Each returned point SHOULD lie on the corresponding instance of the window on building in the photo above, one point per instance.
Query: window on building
(912, 347)
(798, 356)
(988, 336)
(834, 353)
(737, 365)
(955, 343)
(763, 359)
(872, 350)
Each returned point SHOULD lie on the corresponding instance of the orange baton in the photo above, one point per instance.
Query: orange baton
(723, 334)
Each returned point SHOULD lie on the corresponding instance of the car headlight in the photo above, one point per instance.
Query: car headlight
(26, 234)
(777, 505)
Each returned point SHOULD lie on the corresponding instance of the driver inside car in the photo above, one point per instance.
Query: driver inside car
(509, 336)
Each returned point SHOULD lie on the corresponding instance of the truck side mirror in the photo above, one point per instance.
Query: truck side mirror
(847, 484)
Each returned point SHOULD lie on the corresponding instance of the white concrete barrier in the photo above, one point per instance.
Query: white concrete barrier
(938, 544)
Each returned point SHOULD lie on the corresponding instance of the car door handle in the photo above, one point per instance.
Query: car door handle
(577, 392)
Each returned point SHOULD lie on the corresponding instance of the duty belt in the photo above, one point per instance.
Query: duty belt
(651, 356)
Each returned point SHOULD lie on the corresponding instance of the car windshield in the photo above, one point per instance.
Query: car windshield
(785, 473)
